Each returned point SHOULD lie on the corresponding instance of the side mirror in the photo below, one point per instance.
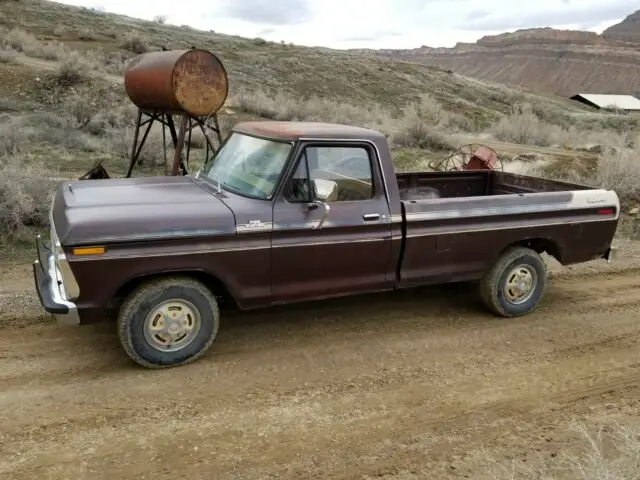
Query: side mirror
(324, 190)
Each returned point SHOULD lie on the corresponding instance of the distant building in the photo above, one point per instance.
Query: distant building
(620, 102)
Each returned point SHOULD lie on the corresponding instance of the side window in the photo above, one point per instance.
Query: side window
(298, 188)
(349, 167)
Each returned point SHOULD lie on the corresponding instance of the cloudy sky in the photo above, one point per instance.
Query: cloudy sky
(374, 23)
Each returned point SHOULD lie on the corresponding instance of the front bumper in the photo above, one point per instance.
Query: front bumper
(46, 277)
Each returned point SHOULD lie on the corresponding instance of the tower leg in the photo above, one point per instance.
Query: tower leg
(180, 145)
(132, 159)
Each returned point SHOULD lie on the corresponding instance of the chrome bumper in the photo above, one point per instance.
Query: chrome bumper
(46, 277)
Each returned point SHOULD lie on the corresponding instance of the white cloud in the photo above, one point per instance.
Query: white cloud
(373, 23)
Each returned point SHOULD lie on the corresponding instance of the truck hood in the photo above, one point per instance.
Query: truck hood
(133, 209)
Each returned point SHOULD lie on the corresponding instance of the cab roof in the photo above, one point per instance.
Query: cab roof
(292, 131)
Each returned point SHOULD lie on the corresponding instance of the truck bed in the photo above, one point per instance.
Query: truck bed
(431, 185)
(455, 224)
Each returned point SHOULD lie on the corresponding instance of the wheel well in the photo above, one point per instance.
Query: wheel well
(540, 245)
(212, 283)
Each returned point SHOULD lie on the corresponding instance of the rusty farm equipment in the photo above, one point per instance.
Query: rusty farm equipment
(472, 156)
(189, 84)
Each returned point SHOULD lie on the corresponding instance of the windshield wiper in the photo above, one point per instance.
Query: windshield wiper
(216, 178)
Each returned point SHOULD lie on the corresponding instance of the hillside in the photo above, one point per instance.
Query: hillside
(63, 105)
(560, 61)
(108, 41)
(628, 30)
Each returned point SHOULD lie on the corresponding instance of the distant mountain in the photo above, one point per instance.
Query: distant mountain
(560, 61)
(628, 30)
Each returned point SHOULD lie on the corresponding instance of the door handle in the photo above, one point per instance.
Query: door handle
(368, 217)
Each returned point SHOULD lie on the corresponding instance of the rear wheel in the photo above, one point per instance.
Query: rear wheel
(168, 322)
(515, 284)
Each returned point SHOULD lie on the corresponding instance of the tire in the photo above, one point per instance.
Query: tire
(193, 305)
(498, 298)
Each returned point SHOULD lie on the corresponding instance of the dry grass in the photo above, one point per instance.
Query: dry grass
(618, 170)
(280, 106)
(8, 55)
(421, 124)
(134, 43)
(27, 176)
(23, 42)
(151, 155)
(21, 134)
(12, 139)
(74, 69)
(25, 190)
(608, 453)
(526, 128)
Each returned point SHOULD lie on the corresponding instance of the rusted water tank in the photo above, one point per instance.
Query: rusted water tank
(192, 81)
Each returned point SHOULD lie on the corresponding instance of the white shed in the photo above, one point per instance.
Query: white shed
(596, 100)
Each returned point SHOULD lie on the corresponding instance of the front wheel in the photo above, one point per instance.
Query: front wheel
(168, 322)
(515, 284)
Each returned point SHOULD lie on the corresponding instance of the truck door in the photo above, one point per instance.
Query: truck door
(331, 224)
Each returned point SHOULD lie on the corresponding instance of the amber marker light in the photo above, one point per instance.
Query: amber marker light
(88, 250)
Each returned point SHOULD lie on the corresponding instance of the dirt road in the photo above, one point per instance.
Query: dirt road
(421, 384)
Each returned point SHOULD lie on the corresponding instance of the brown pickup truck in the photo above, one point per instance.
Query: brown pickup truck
(287, 211)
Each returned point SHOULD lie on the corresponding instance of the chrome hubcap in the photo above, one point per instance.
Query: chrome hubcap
(172, 325)
(520, 284)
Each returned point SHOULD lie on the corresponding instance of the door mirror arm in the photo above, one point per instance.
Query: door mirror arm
(325, 214)
(322, 191)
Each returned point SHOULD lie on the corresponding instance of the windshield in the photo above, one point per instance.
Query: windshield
(247, 165)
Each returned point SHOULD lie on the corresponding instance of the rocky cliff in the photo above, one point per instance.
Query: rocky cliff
(628, 30)
(561, 61)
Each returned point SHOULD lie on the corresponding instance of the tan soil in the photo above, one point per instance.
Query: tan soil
(421, 384)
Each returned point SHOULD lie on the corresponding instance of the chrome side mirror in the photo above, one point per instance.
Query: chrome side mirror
(323, 191)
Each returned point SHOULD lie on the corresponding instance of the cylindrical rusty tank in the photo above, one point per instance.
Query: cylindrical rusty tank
(192, 81)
